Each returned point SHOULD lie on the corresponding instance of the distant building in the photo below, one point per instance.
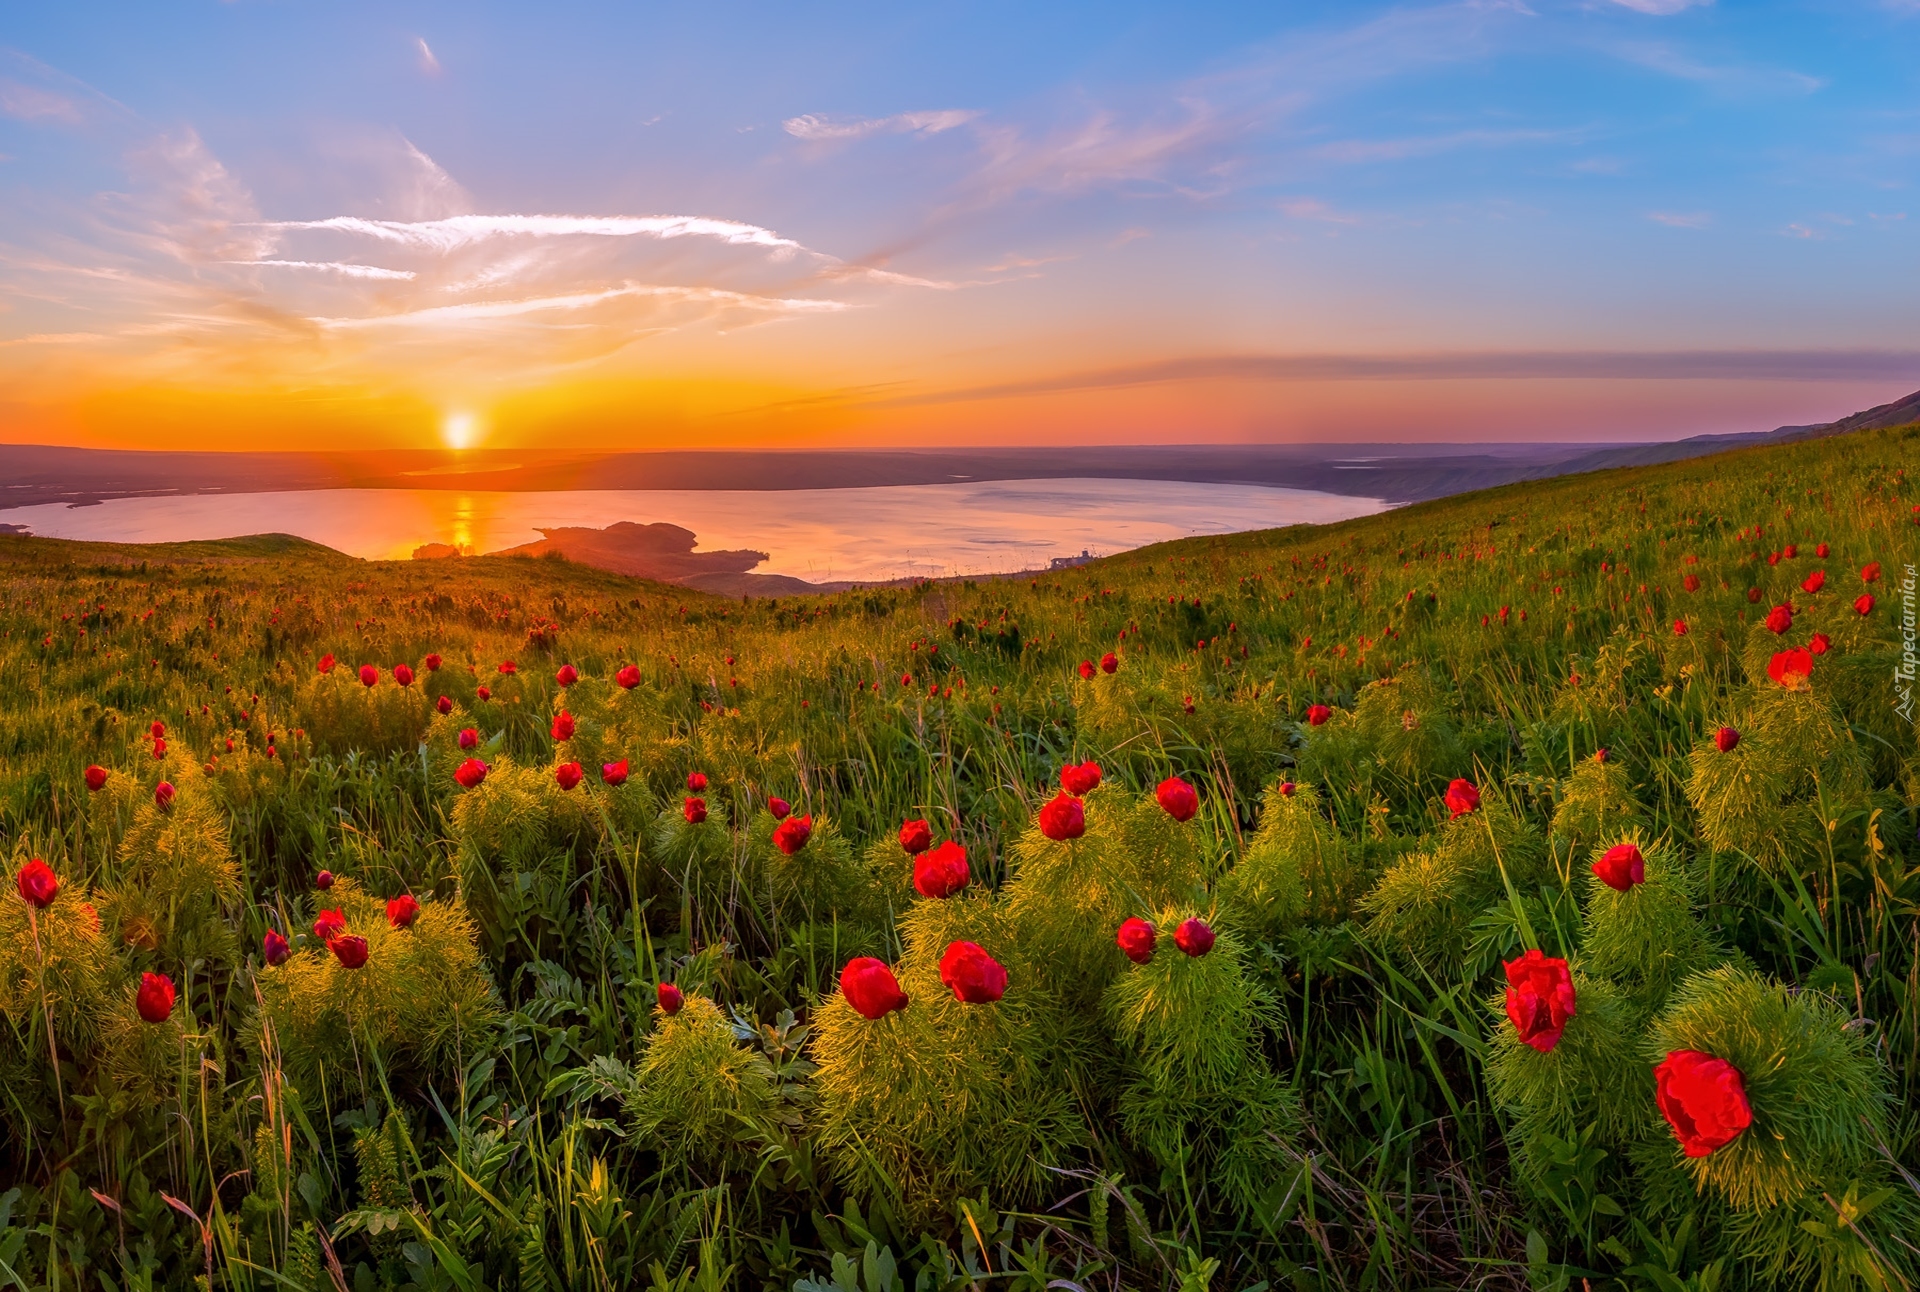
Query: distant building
(1068, 562)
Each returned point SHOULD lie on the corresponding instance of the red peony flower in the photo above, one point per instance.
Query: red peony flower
(1814, 582)
(695, 810)
(1679, 628)
(916, 837)
(163, 796)
(157, 730)
(1287, 788)
(1463, 796)
(1318, 714)
(1080, 778)
(1703, 1098)
(871, 988)
(1691, 583)
(402, 911)
(484, 693)
(326, 663)
(349, 949)
(444, 704)
(941, 872)
(1539, 999)
(403, 674)
(1621, 867)
(1870, 572)
(508, 668)
(154, 1000)
(96, 778)
(1086, 669)
(369, 675)
(614, 774)
(469, 738)
(975, 977)
(628, 677)
(778, 808)
(1063, 818)
(1753, 596)
(329, 925)
(159, 748)
(791, 835)
(567, 675)
(1820, 644)
(696, 782)
(1136, 937)
(1791, 668)
(1863, 604)
(323, 881)
(1779, 619)
(37, 884)
(1822, 551)
(1194, 937)
(562, 725)
(671, 998)
(1109, 663)
(470, 773)
(1179, 799)
(275, 949)
(1725, 739)
(433, 663)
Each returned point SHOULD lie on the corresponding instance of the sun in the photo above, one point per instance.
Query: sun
(458, 430)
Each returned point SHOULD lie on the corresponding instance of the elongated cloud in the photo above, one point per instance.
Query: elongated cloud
(334, 267)
(813, 127)
(455, 232)
(484, 311)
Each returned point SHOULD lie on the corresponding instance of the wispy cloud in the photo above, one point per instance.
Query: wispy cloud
(31, 103)
(1312, 208)
(1729, 78)
(1660, 8)
(1682, 219)
(429, 65)
(813, 127)
(460, 231)
(335, 267)
(488, 311)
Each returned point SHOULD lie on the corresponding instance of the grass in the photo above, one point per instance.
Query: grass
(1335, 1102)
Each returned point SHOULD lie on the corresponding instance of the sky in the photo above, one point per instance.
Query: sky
(347, 226)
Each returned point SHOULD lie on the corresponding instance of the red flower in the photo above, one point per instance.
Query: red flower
(1679, 628)
(323, 881)
(470, 773)
(274, 948)
(402, 911)
(1779, 619)
(562, 725)
(369, 675)
(508, 668)
(403, 674)
(326, 663)
(778, 808)
(1870, 572)
(159, 749)
(1086, 669)
(916, 837)
(942, 872)
(444, 704)
(1463, 796)
(163, 795)
(695, 810)
(1179, 799)
(1753, 596)
(1621, 867)
(628, 677)
(1287, 788)
(1109, 663)
(1863, 604)
(350, 950)
(485, 693)
(1814, 582)
(1703, 1098)
(567, 675)
(1080, 778)
(791, 835)
(1791, 551)
(1821, 551)
(1691, 583)
(1791, 668)
(469, 738)
(96, 778)
(1318, 714)
(614, 774)
(671, 998)
(871, 988)
(975, 977)
(1539, 999)
(154, 1000)
(157, 730)
(1820, 644)
(1194, 937)
(37, 884)
(1063, 818)
(1725, 739)
(329, 925)
(1136, 937)
(696, 782)
(433, 663)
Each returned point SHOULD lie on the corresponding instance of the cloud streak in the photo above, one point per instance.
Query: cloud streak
(456, 232)
(815, 128)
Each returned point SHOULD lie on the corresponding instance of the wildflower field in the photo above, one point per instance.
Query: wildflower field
(1516, 890)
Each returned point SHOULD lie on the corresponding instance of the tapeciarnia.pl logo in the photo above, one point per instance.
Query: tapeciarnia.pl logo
(1903, 672)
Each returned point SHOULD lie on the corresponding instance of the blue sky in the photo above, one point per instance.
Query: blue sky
(1487, 220)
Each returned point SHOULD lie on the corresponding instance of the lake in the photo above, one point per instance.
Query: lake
(814, 534)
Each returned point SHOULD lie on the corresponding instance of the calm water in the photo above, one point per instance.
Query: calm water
(815, 534)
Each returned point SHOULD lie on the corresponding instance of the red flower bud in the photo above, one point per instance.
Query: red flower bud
(154, 1000)
(614, 774)
(402, 911)
(1463, 796)
(779, 808)
(975, 977)
(671, 998)
(274, 948)
(329, 925)
(469, 738)
(1779, 619)
(1194, 937)
(562, 725)
(1621, 867)
(403, 674)
(791, 835)
(1318, 714)
(1063, 818)
(326, 663)
(1109, 662)
(871, 988)
(1814, 582)
(916, 837)
(484, 693)
(37, 884)
(1136, 937)
(508, 668)
(1080, 778)
(1180, 799)
(1679, 628)
(1086, 669)
(1691, 583)
(433, 663)
(567, 775)
(1704, 1100)
(1725, 739)
(323, 881)
(1863, 604)
(1287, 788)
(349, 949)
(96, 778)
(163, 795)
(369, 675)
(159, 749)
(696, 782)
(1820, 644)
(157, 730)
(941, 872)
(1870, 572)
(470, 773)
(444, 704)
(1539, 999)
(695, 810)
(628, 677)
(567, 675)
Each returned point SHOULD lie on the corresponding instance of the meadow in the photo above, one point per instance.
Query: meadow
(1514, 890)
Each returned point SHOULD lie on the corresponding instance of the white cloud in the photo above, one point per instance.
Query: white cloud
(429, 65)
(1682, 219)
(336, 267)
(30, 103)
(487, 311)
(1660, 8)
(812, 127)
(459, 231)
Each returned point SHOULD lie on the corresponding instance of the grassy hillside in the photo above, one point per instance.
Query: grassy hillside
(588, 1031)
